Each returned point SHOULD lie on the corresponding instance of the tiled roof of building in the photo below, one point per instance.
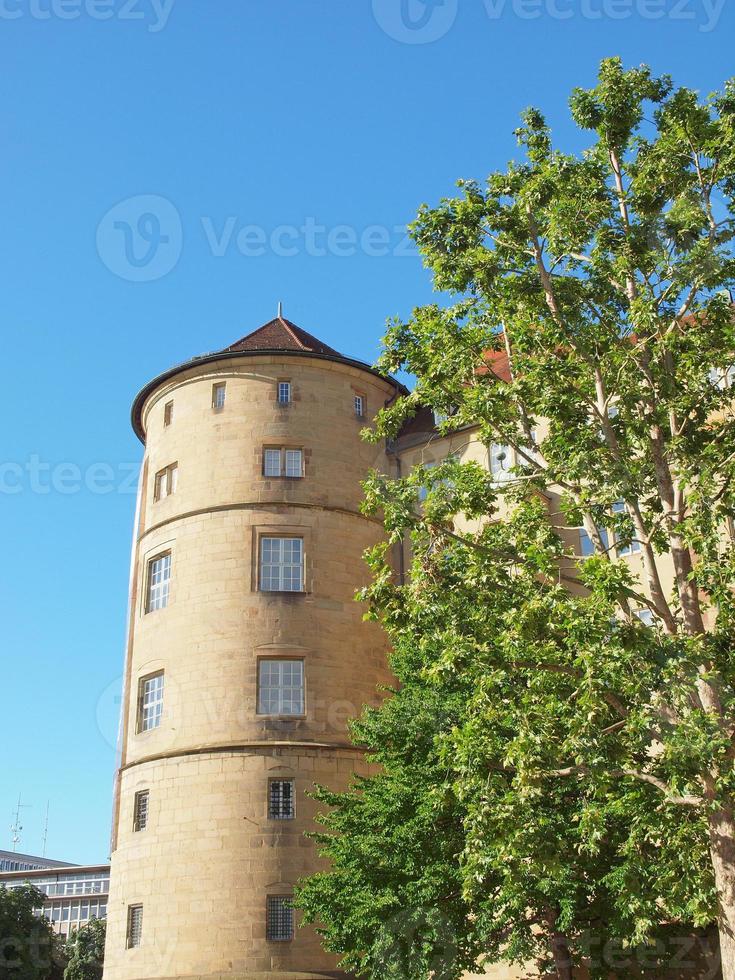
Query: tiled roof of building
(281, 334)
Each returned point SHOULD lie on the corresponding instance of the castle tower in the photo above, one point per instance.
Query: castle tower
(246, 654)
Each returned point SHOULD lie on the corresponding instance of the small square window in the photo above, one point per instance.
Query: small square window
(284, 392)
(168, 413)
(279, 919)
(140, 810)
(166, 482)
(219, 392)
(281, 564)
(135, 926)
(281, 687)
(150, 702)
(359, 401)
(159, 582)
(281, 799)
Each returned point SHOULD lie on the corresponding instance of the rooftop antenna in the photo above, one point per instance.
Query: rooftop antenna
(45, 829)
(16, 828)
(280, 311)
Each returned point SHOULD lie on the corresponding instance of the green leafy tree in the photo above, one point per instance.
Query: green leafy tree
(28, 947)
(86, 952)
(592, 760)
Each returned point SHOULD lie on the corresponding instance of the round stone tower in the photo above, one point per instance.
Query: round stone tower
(246, 654)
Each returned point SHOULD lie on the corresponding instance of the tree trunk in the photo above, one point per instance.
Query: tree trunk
(560, 948)
(722, 850)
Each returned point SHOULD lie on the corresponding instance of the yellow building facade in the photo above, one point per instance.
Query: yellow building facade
(246, 654)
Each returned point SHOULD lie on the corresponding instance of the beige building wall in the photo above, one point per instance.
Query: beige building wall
(209, 856)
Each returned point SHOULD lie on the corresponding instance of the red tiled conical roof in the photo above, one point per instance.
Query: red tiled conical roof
(281, 334)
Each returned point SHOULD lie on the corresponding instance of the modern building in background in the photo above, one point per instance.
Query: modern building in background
(74, 894)
(12, 861)
(247, 653)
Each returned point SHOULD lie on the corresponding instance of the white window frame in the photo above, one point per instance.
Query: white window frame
(634, 546)
(283, 461)
(360, 405)
(284, 393)
(280, 563)
(165, 482)
(281, 687)
(219, 395)
(500, 469)
(150, 702)
(158, 582)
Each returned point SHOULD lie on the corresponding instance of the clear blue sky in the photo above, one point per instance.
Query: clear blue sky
(287, 118)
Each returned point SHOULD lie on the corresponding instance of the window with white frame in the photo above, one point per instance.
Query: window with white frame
(624, 547)
(150, 702)
(168, 413)
(586, 545)
(646, 616)
(279, 919)
(283, 462)
(219, 393)
(359, 403)
(280, 687)
(500, 460)
(281, 799)
(281, 564)
(140, 810)
(166, 481)
(284, 392)
(159, 582)
(135, 926)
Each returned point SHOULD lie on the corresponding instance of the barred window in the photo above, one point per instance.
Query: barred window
(284, 392)
(279, 919)
(281, 799)
(159, 580)
(135, 925)
(166, 481)
(219, 392)
(150, 702)
(281, 687)
(140, 810)
(281, 564)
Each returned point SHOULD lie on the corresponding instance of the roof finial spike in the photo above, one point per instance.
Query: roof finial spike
(280, 311)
